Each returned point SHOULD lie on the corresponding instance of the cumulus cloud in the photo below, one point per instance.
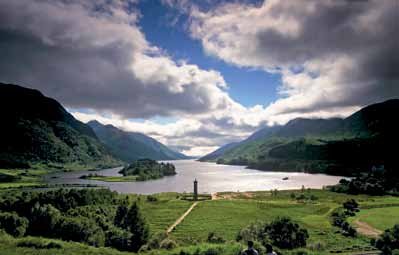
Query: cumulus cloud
(331, 54)
(92, 54)
(194, 137)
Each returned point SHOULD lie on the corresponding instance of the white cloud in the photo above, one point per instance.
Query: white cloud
(92, 54)
(332, 55)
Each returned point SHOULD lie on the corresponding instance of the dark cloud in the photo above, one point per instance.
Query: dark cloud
(89, 54)
(348, 50)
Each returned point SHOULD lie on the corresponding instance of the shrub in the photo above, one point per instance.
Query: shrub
(301, 197)
(389, 240)
(151, 198)
(80, 229)
(254, 231)
(348, 229)
(38, 244)
(43, 220)
(213, 238)
(351, 205)
(282, 232)
(118, 239)
(168, 244)
(338, 218)
(13, 224)
(156, 239)
(286, 234)
(316, 246)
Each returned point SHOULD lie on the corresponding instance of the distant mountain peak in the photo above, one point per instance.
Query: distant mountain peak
(379, 118)
(130, 146)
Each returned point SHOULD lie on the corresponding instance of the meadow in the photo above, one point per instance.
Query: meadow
(131, 178)
(228, 213)
(22, 178)
(379, 218)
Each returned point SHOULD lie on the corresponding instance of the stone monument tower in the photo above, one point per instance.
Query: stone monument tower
(195, 196)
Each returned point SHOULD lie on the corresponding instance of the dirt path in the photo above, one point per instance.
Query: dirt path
(215, 196)
(179, 220)
(232, 196)
(248, 195)
(366, 229)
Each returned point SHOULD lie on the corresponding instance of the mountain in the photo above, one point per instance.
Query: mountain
(160, 149)
(238, 148)
(130, 146)
(219, 152)
(38, 130)
(335, 146)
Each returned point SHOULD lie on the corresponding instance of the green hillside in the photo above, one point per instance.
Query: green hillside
(130, 146)
(335, 146)
(38, 130)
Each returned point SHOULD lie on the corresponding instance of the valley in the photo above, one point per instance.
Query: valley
(80, 176)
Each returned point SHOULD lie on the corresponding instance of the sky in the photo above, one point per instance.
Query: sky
(200, 74)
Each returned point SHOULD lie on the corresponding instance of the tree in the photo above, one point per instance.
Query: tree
(121, 212)
(80, 229)
(282, 232)
(118, 238)
(13, 224)
(43, 220)
(348, 229)
(351, 205)
(286, 234)
(389, 240)
(136, 224)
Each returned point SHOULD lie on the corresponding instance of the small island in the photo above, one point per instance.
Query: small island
(139, 170)
(148, 169)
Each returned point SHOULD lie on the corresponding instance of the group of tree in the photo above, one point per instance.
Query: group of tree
(340, 215)
(379, 181)
(147, 169)
(281, 232)
(96, 217)
(389, 240)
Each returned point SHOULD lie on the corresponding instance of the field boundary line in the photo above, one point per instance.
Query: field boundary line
(181, 218)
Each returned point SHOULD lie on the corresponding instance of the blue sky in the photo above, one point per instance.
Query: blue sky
(248, 86)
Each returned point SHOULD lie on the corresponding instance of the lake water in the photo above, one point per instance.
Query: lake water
(211, 178)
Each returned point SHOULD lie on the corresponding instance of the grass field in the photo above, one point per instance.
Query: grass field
(28, 177)
(379, 218)
(39, 246)
(164, 212)
(227, 216)
(230, 212)
(130, 178)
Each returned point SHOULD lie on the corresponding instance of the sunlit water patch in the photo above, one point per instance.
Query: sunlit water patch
(211, 178)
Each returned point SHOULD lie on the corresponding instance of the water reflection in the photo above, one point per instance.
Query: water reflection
(211, 178)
